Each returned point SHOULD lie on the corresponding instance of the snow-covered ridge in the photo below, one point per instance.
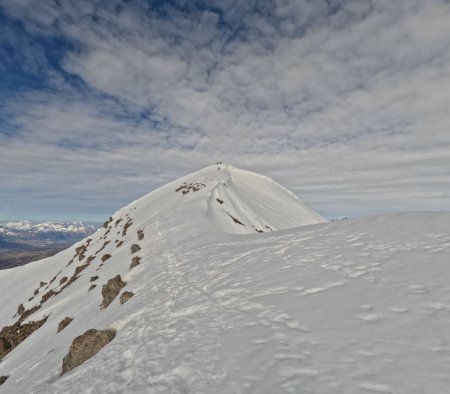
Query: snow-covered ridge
(188, 305)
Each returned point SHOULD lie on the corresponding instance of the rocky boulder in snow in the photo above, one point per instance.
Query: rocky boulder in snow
(64, 323)
(135, 261)
(126, 296)
(111, 290)
(12, 336)
(135, 248)
(85, 346)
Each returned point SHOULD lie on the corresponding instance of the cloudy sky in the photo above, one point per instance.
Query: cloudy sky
(345, 102)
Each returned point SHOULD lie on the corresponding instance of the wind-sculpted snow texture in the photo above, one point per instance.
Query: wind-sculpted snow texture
(353, 306)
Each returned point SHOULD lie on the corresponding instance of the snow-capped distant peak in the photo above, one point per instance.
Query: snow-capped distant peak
(21, 225)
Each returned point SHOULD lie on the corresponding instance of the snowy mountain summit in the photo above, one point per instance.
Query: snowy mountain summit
(191, 288)
(227, 199)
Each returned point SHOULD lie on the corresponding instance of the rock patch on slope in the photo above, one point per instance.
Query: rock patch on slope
(12, 336)
(135, 248)
(237, 221)
(64, 323)
(106, 224)
(135, 261)
(125, 296)
(105, 257)
(47, 295)
(28, 312)
(85, 346)
(126, 226)
(140, 234)
(74, 277)
(20, 309)
(111, 290)
(103, 247)
(185, 188)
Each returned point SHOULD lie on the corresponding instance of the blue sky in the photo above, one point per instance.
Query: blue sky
(344, 102)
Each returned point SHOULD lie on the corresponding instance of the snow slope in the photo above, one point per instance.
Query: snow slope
(352, 306)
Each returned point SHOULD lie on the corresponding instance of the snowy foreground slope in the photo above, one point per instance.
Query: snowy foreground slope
(354, 306)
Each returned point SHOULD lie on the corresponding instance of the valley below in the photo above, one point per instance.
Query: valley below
(14, 254)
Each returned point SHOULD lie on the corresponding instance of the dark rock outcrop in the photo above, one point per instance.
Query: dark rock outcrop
(186, 188)
(80, 268)
(103, 247)
(20, 309)
(126, 226)
(111, 290)
(64, 323)
(140, 234)
(237, 221)
(135, 248)
(80, 251)
(12, 336)
(106, 224)
(3, 379)
(75, 276)
(4, 346)
(85, 346)
(135, 261)
(63, 280)
(28, 312)
(54, 278)
(125, 296)
(105, 257)
(92, 287)
(93, 278)
(47, 295)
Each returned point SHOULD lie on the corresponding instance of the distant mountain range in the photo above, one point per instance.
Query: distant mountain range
(25, 231)
(24, 241)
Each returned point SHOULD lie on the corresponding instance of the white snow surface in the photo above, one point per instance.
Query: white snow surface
(352, 306)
